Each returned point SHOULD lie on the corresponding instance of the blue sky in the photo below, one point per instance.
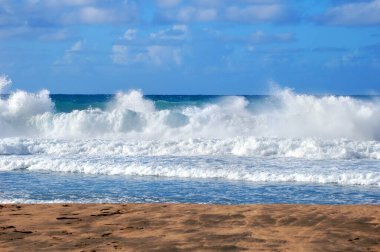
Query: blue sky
(191, 47)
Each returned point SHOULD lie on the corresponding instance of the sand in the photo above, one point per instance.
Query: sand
(185, 227)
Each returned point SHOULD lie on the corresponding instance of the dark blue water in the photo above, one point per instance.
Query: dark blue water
(68, 103)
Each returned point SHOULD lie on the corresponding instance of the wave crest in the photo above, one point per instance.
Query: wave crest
(131, 116)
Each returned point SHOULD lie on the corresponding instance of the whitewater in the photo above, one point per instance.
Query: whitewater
(284, 140)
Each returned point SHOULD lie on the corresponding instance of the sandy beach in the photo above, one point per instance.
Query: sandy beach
(187, 227)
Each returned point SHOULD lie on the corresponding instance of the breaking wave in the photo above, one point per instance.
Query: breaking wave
(285, 137)
(130, 116)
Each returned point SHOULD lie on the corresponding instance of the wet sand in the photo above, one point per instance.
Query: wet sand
(185, 227)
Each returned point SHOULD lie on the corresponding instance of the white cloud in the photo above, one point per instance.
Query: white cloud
(176, 32)
(206, 15)
(79, 11)
(250, 11)
(209, 3)
(52, 19)
(346, 60)
(70, 54)
(190, 13)
(360, 13)
(62, 3)
(259, 37)
(120, 54)
(91, 15)
(55, 35)
(168, 3)
(251, 48)
(13, 32)
(256, 13)
(161, 48)
(76, 47)
(130, 34)
(161, 54)
(156, 55)
(367, 56)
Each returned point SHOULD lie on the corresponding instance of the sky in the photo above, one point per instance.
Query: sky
(191, 47)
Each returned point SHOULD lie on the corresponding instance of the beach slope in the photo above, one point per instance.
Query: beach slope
(174, 227)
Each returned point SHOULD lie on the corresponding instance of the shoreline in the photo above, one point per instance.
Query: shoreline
(189, 227)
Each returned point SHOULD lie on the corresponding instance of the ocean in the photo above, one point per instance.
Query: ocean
(129, 147)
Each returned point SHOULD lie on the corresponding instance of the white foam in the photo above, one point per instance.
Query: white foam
(343, 162)
(246, 169)
(308, 148)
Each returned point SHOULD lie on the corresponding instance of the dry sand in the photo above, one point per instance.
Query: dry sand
(181, 227)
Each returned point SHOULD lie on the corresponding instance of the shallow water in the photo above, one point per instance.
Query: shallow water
(50, 187)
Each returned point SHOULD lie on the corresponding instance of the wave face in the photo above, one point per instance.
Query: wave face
(285, 137)
(133, 117)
